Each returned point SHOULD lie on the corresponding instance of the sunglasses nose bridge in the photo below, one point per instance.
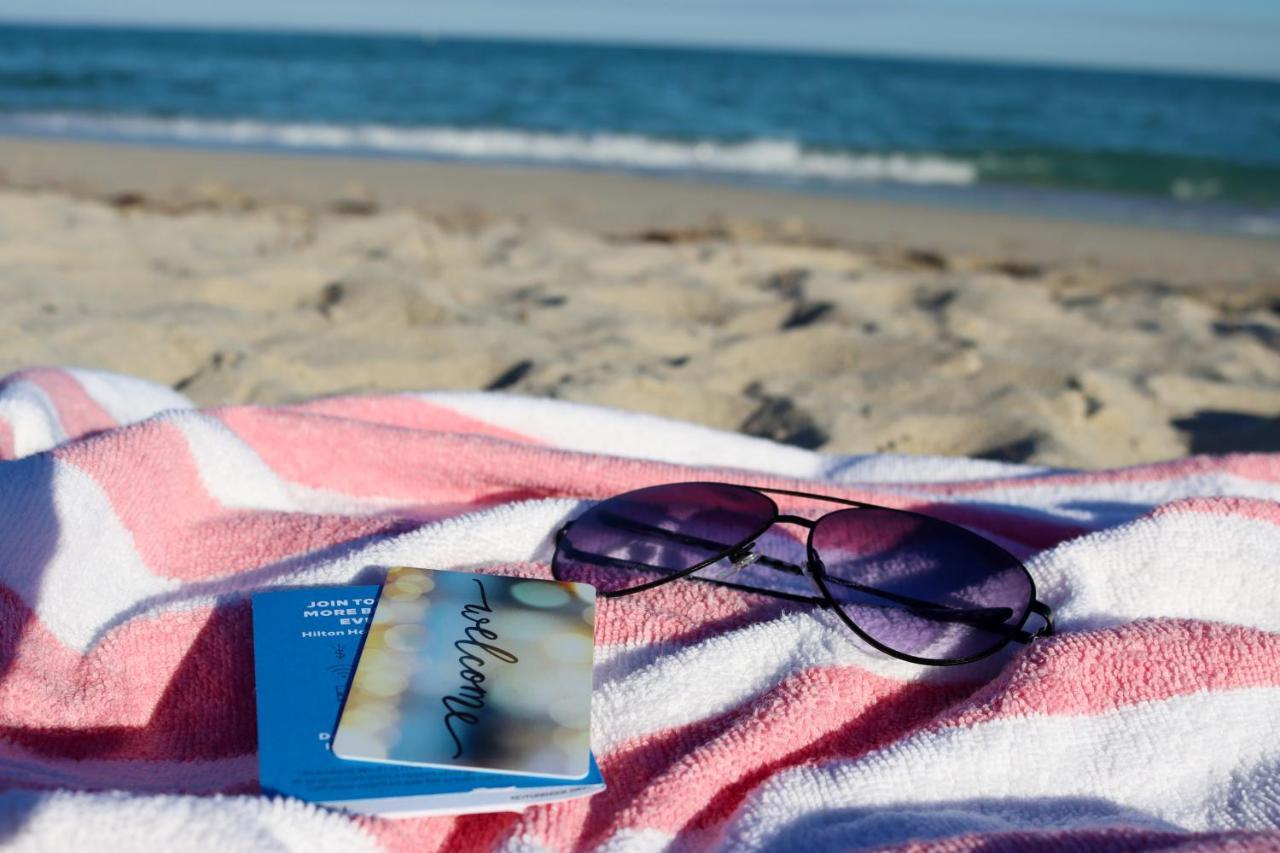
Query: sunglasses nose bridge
(794, 519)
(805, 567)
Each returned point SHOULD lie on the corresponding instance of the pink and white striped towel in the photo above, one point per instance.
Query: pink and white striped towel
(133, 527)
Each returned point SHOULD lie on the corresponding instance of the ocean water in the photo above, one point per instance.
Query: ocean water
(1200, 152)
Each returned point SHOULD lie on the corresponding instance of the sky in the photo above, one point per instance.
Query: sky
(1239, 37)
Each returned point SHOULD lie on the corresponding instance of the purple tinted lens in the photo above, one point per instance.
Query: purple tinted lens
(650, 534)
(920, 586)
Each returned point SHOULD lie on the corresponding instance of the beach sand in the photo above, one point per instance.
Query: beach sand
(849, 326)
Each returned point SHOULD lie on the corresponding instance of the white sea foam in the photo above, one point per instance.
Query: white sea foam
(776, 158)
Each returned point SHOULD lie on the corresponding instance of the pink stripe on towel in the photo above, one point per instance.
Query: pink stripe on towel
(179, 529)
(78, 413)
(402, 410)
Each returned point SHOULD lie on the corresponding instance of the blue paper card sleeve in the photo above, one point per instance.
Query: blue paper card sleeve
(306, 643)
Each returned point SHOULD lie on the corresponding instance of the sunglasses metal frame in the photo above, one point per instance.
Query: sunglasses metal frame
(741, 555)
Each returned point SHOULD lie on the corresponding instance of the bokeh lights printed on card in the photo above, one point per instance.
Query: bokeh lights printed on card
(474, 671)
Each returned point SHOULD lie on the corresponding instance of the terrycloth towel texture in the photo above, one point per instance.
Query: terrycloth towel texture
(133, 528)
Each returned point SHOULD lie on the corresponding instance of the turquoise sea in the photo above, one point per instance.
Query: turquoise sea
(1191, 151)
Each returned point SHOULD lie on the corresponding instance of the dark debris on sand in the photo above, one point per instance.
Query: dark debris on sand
(1215, 431)
(780, 419)
(510, 376)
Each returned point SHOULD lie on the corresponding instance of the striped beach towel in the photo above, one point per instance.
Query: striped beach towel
(133, 528)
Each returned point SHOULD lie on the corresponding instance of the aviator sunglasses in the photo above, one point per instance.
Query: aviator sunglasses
(915, 587)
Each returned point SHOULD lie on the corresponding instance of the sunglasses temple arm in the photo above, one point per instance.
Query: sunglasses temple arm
(601, 560)
(990, 618)
(975, 616)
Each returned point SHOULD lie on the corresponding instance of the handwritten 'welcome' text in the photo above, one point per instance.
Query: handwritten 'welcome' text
(475, 643)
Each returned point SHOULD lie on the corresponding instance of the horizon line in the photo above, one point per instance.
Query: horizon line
(427, 35)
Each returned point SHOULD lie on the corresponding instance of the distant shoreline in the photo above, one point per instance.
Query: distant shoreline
(621, 203)
(926, 180)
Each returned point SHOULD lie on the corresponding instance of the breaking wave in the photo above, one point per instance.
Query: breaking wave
(772, 158)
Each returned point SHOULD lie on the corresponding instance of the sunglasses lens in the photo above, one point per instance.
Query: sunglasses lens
(650, 534)
(921, 586)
